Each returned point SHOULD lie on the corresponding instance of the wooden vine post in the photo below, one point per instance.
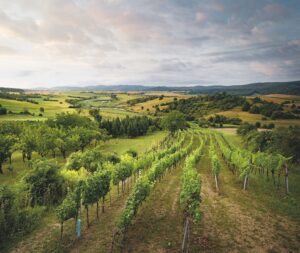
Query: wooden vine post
(185, 241)
(286, 178)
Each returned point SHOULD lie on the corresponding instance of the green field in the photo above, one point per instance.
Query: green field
(111, 108)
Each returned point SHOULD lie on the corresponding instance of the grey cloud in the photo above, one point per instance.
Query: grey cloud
(287, 51)
(116, 41)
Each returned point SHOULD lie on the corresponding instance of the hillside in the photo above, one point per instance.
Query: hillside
(246, 89)
(4, 89)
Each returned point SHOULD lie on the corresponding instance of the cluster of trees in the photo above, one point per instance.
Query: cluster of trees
(268, 109)
(22, 206)
(201, 105)
(130, 126)
(84, 179)
(141, 100)
(20, 96)
(285, 141)
(4, 111)
(76, 101)
(218, 121)
(15, 215)
(64, 134)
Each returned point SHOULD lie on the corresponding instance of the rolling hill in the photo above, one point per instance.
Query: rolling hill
(246, 89)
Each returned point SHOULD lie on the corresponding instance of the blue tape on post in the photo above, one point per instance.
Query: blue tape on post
(78, 223)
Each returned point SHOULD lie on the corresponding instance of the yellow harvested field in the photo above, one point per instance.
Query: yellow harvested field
(253, 118)
(152, 103)
(279, 98)
(226, 130)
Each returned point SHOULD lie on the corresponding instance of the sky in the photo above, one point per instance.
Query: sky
(52, 43)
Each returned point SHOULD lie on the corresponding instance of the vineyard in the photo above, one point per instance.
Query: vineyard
(149, 126)
(162, 199)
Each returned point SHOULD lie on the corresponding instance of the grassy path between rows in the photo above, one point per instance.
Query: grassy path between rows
(159, 222)
(234, 221)
(158, 225)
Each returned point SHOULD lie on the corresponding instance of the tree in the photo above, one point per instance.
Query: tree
(42, 109)
(95, 113)
(174, 121)
(27, 142)
(246, 128)
(86, 136)
(3, 110)
(246, 106)
(44, 183)
(66, 141)
(92, 159)
(7, 143)
(8, 212)
(71, 120)
(45, 140)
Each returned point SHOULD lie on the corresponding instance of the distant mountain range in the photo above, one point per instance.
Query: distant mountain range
(292, 88)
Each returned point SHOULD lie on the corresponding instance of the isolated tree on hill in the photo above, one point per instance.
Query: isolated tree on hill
(175, 120)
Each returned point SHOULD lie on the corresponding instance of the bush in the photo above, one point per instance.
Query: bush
(14, 217)
(44, 183)
(132, 152)
(245, 129)
(3, 110)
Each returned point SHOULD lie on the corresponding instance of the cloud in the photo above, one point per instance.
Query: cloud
(265, 69)
(161, 42)
(200, 17)
(217, 6)
(274, 12)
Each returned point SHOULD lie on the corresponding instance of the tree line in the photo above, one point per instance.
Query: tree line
(199, 106)
(130, 126)
(270, 109)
